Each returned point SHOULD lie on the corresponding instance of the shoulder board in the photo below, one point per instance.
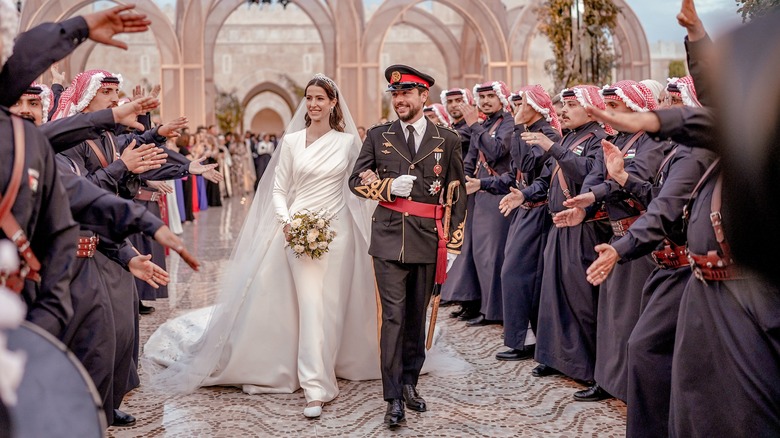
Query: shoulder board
(380, 125)
(453, 130)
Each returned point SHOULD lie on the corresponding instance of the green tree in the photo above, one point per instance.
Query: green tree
(229, 111)
(581, 35)
(677, 69)
(750, 9)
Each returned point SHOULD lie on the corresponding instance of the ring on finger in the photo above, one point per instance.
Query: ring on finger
(143, 157)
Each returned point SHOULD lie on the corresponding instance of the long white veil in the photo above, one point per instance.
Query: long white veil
(199, 360)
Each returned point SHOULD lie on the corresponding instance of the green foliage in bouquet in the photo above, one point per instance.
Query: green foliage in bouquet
(310, 234)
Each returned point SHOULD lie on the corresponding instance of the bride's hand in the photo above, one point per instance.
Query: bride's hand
(367, 177)
(287, 232)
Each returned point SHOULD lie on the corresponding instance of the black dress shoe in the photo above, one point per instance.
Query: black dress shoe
(594, 393)
(469, 313)
(515, 354)
(413, 399)
(145, 310)
(122, 419)
(395, 416)
(478, 321)
(543, 370)
(457, 312)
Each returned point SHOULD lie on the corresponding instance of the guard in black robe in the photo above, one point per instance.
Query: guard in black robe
(620, 296)
(566, 339)
(41, 210)
(521, 275)
(488, 156)
(660, 230)
(93, 335)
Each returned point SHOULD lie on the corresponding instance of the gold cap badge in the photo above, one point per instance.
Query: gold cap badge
(395, 76)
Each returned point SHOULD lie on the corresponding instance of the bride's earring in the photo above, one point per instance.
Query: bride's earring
(331, 109)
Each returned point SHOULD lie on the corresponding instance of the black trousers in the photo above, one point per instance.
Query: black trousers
(404, 292)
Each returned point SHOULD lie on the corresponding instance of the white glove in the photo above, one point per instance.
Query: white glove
(402, 186)
(450, 260)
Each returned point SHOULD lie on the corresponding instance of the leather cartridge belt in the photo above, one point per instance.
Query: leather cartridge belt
(671, 257)
(713, 267)
(87, 247)
(620, 227)
(145, 194)
(530, 205)
(600, 215)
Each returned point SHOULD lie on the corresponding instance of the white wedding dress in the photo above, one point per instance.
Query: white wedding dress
(300, 323)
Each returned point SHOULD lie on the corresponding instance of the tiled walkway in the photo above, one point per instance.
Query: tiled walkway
(494, 399)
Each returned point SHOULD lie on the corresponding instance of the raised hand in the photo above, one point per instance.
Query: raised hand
(160, 186)
(689, 19)
(569, 218)
(198, 168)
(472, 185)
(537, 138)
(213, 176)
(142, 267)
(514, 199)
(613, 159)
(138, 92)
(155, 91)
(103, 25)
(143, 158)
(470, 113)
(600, 269)
(582, 200)
(57, 77)
(171, 129)
(626, 122)
(127, 114)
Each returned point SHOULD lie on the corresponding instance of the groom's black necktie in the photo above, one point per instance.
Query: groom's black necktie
(410, 141)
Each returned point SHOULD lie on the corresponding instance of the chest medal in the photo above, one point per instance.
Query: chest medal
(435, 187)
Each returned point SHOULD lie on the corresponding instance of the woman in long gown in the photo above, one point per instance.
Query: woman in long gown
(283, 322)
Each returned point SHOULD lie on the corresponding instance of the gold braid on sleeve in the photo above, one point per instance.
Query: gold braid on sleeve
(456, 239)
(378, 190)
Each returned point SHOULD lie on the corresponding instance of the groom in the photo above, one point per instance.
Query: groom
(407, 166)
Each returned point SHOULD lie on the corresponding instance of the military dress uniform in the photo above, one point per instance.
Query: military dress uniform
(405, 237)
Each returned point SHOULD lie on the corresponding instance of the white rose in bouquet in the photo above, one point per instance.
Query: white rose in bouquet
(296, 223)
(298, 249)
(313, 235)
(323, 245)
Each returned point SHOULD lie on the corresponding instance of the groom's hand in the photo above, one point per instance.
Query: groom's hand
(402, 186)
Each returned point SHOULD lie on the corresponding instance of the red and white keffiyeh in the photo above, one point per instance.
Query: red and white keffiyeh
(81, 92)
(499, 87)
(636, 96)
(687, 90)
(587, 95)
(440, 112)
(540, 100)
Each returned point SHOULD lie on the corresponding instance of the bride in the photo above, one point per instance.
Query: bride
(281, 322)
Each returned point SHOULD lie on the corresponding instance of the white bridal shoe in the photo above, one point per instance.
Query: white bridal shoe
(313, 409)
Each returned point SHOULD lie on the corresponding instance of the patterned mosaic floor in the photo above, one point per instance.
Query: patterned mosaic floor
(494, 399)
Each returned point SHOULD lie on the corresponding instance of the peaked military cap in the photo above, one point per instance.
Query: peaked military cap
(403, 77)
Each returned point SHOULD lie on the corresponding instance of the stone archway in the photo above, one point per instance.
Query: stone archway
(480, 16)
(36, 12)
(219, 12)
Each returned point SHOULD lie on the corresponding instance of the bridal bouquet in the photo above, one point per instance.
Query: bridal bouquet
(310, 234)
